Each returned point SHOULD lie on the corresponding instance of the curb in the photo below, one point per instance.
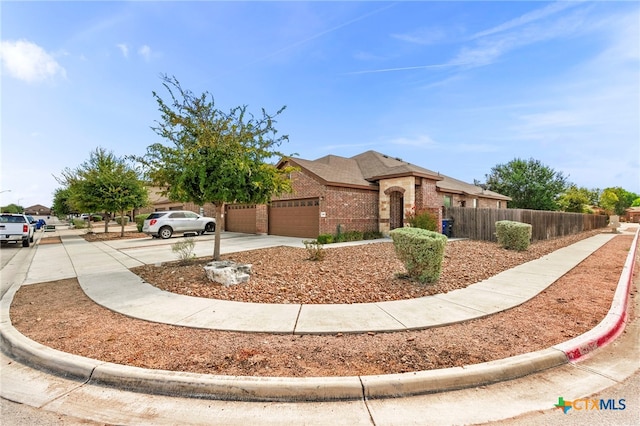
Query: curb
(293, 389)
(613, 323)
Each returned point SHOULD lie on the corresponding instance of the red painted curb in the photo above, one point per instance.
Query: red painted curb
(613, 324)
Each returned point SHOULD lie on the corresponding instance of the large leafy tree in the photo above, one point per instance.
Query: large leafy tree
(105, 183)
(616, 200)
(575, 199)
(529, 183)
(215, 156)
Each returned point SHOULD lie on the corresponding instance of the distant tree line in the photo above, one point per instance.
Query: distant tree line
(533, 185)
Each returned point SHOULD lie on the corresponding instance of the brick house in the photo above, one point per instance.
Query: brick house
(38, 210)
(368, 192)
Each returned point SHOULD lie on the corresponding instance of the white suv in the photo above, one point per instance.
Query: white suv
(164, 224)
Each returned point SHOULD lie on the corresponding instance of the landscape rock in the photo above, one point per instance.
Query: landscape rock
(227, 272)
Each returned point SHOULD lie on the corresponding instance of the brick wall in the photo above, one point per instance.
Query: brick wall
(350, 208)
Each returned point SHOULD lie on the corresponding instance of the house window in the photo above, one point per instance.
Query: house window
(499, 204)
(447, 201)
(475, 203)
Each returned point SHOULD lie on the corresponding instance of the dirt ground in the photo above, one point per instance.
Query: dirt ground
(59, 315)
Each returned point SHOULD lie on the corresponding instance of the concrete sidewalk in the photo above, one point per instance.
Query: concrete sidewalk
(103, 273)
(538, 389)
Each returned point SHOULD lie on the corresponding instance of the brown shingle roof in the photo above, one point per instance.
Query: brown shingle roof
(449, 184)
(366, 169)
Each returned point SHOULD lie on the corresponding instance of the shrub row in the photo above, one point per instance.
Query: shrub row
(348, 236)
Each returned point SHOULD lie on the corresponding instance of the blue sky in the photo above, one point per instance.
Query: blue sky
(455, 87)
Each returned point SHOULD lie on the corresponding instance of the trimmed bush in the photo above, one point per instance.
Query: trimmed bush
(140, 220)
(371, 235)
(325, 238)
(423, 219)
(118, 220)
(96, 218)
(79, 223)
(513, 235)
(421, 251)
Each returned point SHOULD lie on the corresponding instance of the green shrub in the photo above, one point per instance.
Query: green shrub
(513, 235)
(140, 218)
(423, 219)
(421, 251)
(371, 235)
(96, 218)
(315, 249)
(349, 236)
(325, 238)
(79, 223)
(184, 249)
(119, 219)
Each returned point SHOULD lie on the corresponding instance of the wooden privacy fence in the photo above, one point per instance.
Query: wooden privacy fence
(480, 224)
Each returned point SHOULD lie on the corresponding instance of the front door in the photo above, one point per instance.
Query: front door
(396, 204)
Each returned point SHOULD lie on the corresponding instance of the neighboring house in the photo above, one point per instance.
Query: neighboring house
(632, 215)
(368, 192)
(38, 210)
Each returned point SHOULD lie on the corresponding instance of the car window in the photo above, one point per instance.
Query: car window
(190, 215)
(156, 215)
(177, 215)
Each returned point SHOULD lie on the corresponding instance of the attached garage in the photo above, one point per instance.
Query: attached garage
(295, 218)
(240, 218)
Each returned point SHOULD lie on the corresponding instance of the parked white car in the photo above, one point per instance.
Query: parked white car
(165, 223)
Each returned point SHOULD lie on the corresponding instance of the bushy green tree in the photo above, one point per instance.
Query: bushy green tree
(529, 183)
(574, 199)
(215, 156)
(12, 208)
(61, 202)
(104, 183)
(616, 200)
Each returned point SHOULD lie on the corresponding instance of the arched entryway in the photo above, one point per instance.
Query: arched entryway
(396, 209)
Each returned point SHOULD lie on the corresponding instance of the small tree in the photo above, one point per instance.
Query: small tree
(216, 157)
(104, 183)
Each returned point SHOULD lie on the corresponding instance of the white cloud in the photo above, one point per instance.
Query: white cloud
(421, 141)
(29, 62)
(124, 49)
(145, 52)
(527, 18)
(424, 36)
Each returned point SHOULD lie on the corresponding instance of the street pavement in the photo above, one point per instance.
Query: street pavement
(608, 373)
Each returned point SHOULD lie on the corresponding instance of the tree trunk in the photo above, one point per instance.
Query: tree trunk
(216, 245)
(107, 218)
(122, 222)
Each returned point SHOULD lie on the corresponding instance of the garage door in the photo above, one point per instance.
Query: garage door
(240, 218)
(295, 218)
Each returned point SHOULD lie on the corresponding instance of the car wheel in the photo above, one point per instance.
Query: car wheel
(31, 239)
(210, 227)
(165, 232)
(26, 243)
